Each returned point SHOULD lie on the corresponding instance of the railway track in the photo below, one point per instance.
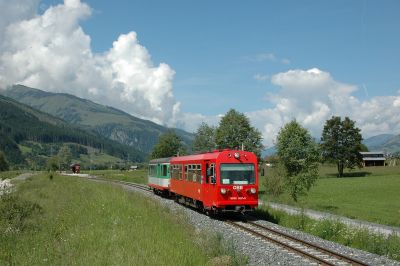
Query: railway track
(130, 184)
(304, 248)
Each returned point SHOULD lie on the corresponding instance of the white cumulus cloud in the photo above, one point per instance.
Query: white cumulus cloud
(52, 52)
(313, 96)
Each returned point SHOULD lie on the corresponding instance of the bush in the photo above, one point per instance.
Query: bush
(275, 180)
(3, 162)
(15, 213)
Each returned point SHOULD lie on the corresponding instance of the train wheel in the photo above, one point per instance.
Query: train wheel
(209, 213)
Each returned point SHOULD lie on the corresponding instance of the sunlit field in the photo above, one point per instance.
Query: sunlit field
(371, 194)
(63, 220)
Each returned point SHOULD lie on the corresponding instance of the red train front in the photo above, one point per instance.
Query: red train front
(219, 181)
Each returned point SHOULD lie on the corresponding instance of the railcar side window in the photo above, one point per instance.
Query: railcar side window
(193, 173)
(176, 171)
(152, 170)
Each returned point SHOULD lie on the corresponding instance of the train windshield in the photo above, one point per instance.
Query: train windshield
(240, 174)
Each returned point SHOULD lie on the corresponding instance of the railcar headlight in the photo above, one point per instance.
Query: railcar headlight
(223, 191)
(237, 155)
(253, 190)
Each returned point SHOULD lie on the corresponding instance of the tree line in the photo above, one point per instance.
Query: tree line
(298, 153)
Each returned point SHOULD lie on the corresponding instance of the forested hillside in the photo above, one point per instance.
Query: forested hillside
(104, 120)
(20, 124)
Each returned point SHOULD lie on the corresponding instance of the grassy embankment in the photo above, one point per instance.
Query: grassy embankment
(67, 220)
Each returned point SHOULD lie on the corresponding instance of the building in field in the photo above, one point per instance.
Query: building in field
(373, 158)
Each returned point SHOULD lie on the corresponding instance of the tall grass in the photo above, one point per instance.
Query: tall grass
(9, 174)
(337, 232)
(68, 220)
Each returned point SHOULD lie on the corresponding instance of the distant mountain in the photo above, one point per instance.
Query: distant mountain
(269, 152)
(21, 123)
(385, 142)
(375, 142)
(107, 121)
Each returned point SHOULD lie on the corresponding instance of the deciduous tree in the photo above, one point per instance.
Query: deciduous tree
(169, 144)
(52, 163)
(235, 131)
(299, 155)
(64, 157)
(204, 138)
(341, 143)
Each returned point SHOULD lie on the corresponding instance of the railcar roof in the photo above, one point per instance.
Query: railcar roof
(207, 155)
(161, 160)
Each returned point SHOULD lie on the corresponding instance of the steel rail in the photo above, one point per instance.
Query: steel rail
(311, 245)
(290, 247)
(131, 184)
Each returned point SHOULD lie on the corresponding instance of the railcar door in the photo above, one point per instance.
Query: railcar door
(210, 187)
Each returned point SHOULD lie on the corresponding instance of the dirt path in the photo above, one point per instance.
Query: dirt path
(23, 176)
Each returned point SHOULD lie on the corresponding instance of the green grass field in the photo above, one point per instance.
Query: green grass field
(59, 220)
(136, 176)
(371, 194)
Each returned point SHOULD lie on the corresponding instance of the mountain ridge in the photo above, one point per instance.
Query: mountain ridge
(107, 121)
(20, 123)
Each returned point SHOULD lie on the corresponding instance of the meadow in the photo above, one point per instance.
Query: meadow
(63, 220)
(371, 194)
(136, 176)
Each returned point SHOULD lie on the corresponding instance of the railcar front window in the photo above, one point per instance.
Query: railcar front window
(240, 174)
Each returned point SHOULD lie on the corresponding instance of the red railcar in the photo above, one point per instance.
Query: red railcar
(218, 181)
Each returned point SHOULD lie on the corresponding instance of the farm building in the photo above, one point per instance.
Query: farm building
(373, 158)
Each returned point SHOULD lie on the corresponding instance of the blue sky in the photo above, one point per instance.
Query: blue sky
(272, 60)
(207, 43)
